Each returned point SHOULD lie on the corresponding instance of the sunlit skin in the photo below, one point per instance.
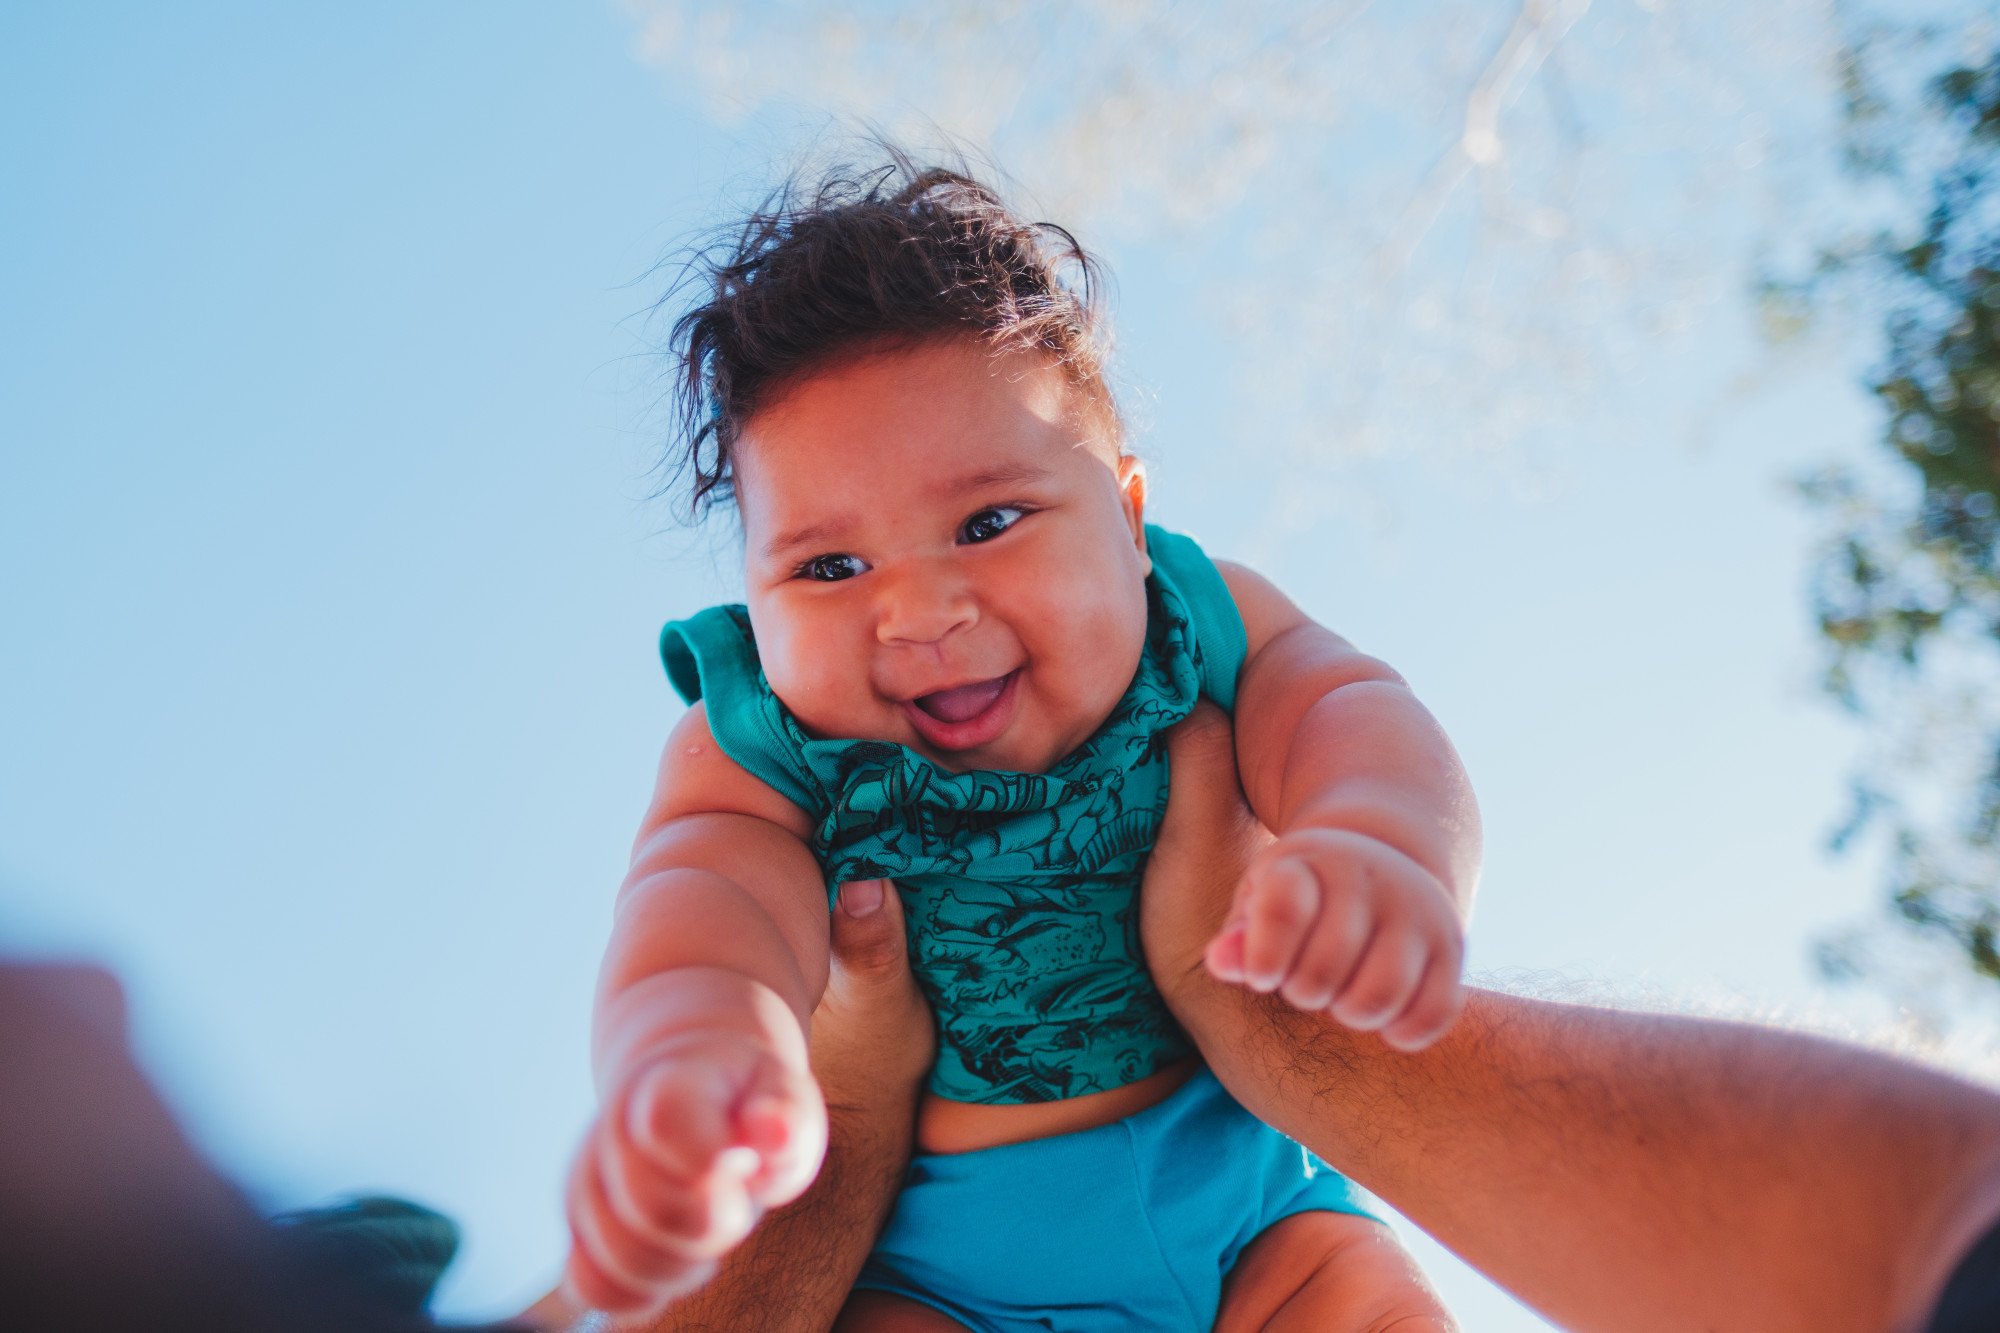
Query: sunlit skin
(944, 547)
(938, 518)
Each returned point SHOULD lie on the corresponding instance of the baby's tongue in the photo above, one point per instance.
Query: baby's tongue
(964, 703)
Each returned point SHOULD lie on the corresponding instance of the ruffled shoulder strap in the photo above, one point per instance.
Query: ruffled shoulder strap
(1219, 643)
(712, 656)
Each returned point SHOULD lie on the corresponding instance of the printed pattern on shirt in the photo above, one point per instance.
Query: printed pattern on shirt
(1020, 890)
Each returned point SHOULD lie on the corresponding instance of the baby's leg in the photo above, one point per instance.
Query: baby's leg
(885, 1312)
(1329, 1273)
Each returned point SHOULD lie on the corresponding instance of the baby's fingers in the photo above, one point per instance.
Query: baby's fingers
(613, 1266)
(1279, 907)
(678, 1114)
(782, 1119)
(1385, 979)
(1434, 1008)
(1224, 955)
(692, 1219)
(1330, 954)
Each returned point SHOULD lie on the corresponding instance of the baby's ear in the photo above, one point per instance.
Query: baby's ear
(1132, 495)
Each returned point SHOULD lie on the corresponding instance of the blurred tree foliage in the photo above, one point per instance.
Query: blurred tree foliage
(1907, 589)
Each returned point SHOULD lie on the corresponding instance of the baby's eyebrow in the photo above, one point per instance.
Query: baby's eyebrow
(999, 475)
(810, 534)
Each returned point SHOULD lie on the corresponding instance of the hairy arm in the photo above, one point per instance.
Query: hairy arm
(1627, 1172)
(1636, 1172)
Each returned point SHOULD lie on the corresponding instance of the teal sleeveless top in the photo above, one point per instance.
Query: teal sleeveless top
(1020, 890)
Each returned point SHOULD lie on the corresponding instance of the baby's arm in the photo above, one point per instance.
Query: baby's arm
(708, 1112)
(1358, 907)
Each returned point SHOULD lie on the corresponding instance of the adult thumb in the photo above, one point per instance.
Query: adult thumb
(867, 935)
(872, 1035)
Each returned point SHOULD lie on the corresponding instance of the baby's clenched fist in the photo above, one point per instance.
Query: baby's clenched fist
(1341, 923)
(705, 1132)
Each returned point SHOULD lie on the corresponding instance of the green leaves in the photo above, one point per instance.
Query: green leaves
(1906, 592)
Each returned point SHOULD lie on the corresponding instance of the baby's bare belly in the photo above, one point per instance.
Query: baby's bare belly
(947, 1126)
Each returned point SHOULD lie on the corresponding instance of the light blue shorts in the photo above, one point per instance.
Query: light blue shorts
(1129, 1226)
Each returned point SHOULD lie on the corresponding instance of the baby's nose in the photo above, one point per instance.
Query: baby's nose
(924, 608)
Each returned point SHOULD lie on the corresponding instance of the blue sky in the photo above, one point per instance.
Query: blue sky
(331, 578)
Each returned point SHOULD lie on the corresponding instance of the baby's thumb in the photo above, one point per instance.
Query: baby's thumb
(868, 945)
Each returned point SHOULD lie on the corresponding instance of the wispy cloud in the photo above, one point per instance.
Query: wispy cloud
(1452, 225)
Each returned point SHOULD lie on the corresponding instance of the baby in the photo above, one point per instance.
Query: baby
(960, 652)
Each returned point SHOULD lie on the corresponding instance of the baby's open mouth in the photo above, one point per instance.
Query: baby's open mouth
(964, 717)
(964, 702)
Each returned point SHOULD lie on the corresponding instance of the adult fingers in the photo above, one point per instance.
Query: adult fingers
(869, 956)
(1204, 843)
(873, 1038)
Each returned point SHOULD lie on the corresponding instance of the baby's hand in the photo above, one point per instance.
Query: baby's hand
(707, 1131)
(1341, 923)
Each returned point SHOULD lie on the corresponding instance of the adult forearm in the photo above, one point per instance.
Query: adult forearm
(1636, 1172)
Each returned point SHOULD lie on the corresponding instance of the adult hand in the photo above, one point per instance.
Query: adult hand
(1203, 848)
(872, 1039)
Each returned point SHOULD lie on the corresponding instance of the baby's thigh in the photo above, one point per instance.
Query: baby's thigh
(1329, 1273)
(871, 1311)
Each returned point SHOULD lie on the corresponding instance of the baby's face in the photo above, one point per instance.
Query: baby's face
(938, 552)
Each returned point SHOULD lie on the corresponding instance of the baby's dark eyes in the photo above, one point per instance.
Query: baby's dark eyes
(987, 524)
(983, 526)
(831, 568)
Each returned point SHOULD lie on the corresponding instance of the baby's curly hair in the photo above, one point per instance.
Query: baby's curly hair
(859, 261)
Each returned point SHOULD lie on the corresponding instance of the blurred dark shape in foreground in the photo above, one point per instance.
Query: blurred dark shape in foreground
(111, 1222)
(1907, 589)
(384, 1255)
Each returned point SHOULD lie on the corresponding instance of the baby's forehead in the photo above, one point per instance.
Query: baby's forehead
(920, 418)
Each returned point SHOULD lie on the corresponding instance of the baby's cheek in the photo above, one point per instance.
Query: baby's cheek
(1104, 640)
(815, 688)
